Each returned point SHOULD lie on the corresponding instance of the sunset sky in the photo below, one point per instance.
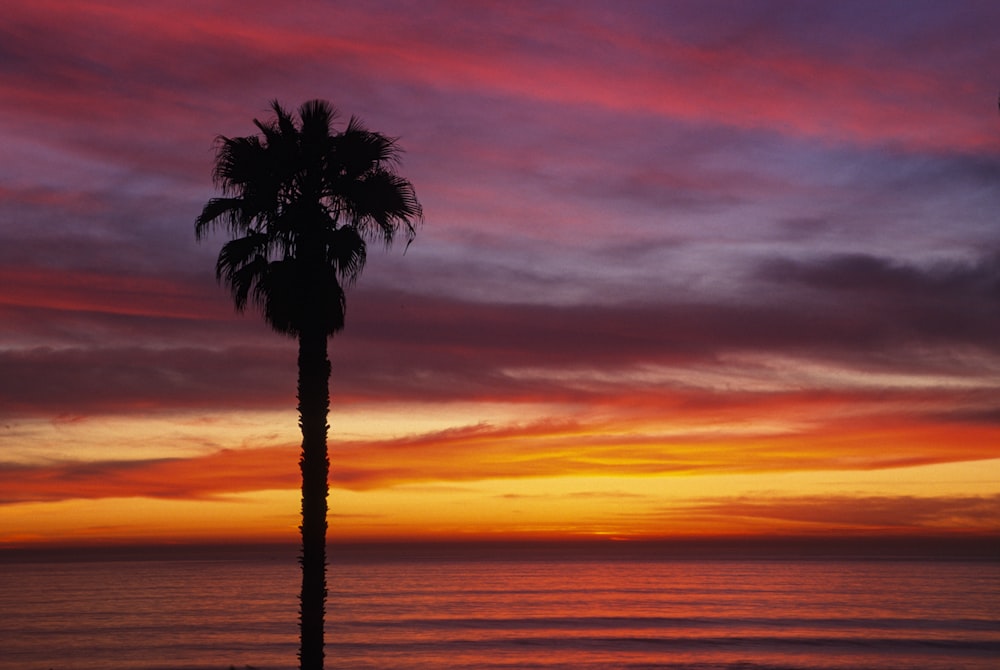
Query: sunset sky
(687, 268)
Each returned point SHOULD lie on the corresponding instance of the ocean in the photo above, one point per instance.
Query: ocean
(489, 609)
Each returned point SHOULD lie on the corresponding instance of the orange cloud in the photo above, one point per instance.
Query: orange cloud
(222, 472)
(570, 448)
(857, 514)
(549, 448)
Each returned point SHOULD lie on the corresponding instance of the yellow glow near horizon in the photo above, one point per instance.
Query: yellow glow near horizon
(632, 505)
(261, 515)
(550, 507)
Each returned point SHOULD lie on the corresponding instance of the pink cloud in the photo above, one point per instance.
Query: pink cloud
(574, 60)
(122, 294)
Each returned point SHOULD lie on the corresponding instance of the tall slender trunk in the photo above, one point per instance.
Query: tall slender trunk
(314, 403)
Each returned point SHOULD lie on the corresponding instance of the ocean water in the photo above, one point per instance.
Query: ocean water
(206, 611)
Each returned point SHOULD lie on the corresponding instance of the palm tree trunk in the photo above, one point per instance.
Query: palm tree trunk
(314, 403)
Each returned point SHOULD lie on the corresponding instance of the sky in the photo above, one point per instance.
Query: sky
(686, 269)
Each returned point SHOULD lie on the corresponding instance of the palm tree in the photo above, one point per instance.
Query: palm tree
(300, 201)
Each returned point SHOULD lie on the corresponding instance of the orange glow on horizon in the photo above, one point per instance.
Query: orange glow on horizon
(921, 500)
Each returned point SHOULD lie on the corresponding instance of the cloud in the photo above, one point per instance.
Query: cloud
(488, 453)
(127, 380)
(864, 513)
(578, 445)
(642, 61)
(879, 302)
(864, 274)
(208, 476)
(126, 294)
(86, 342)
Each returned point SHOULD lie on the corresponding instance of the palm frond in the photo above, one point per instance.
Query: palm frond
(383, 201)
(301, 200)
(346, 252)
(357, 151)
(240, 251)
(317, 118)
(240, 162)
(216, 212)
(290, 294)
(245, 281)
(242, 264)
(284, 123)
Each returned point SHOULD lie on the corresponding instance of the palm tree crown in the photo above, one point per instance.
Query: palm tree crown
(300, 201)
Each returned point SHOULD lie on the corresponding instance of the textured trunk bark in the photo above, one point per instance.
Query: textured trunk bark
(314, 404)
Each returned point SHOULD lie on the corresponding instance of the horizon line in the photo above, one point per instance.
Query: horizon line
(979, 547)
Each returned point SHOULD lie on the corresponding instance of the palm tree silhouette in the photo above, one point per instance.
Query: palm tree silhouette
(300, 201)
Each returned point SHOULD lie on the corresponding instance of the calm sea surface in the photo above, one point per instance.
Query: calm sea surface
(202, 612)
